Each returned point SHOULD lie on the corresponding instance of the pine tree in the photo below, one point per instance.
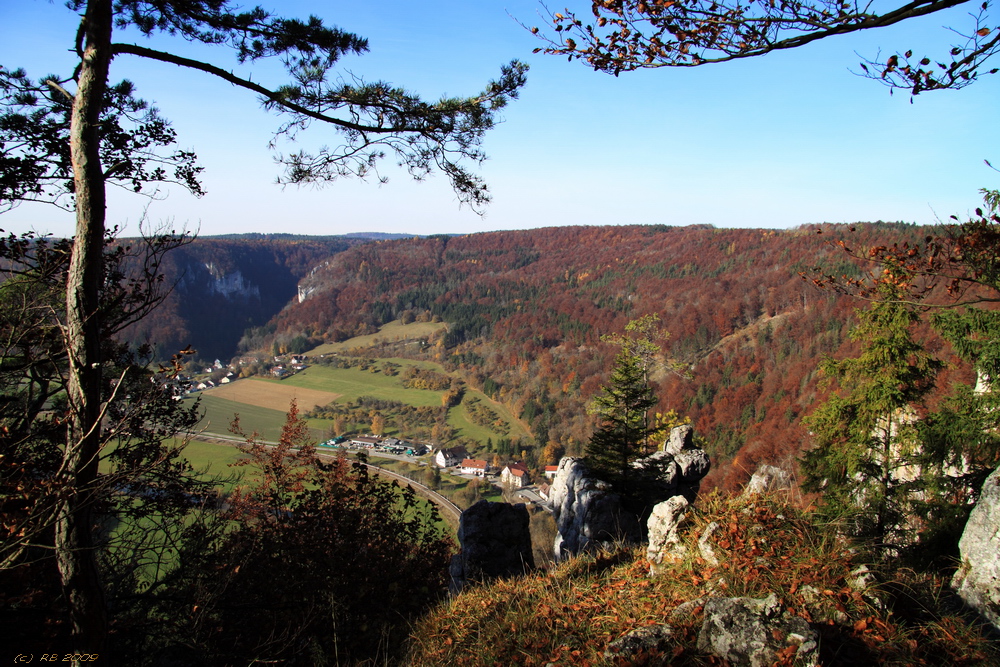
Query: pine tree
(867, 441)
(66, 139)
(623, 430)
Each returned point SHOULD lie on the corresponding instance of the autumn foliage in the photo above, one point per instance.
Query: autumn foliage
(325, 563)
(762, 546)
(526, 311)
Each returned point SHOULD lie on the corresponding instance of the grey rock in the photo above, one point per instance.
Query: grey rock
(680, 438)
(661, 467)
(654, 641)
(587, 513)
(977, 580)
(768, 479)
(749, 632)
(693, 463)
(705, 544)
(664, 543)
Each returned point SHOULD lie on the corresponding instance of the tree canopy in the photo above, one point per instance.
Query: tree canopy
(373, 119)
(626, 35)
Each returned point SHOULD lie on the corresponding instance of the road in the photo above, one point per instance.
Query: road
(449, 510)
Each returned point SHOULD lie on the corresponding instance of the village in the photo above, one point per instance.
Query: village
(513, 479)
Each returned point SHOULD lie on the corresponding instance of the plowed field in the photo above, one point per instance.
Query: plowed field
(272, 394)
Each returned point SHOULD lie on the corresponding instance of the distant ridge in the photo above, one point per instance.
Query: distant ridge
(251, 236)
(381, 236)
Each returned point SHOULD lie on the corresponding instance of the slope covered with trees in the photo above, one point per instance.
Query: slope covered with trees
(220, 287)
(526, 311)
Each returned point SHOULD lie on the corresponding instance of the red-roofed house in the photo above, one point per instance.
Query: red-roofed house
(550, 471)
(477, 467)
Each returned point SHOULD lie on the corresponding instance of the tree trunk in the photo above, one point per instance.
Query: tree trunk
(75, 548)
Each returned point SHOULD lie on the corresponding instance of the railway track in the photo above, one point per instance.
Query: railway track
(450, 512)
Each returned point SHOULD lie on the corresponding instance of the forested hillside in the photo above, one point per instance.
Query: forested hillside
(526, 311)
(225, 285)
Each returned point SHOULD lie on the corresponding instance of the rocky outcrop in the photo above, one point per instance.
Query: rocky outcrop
(496, 542)
(768, 479)
(978, 578)
(751, 632)
(692, 462)
(664, 543)
(589, 513)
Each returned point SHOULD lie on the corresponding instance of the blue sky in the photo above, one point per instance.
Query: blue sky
(788, 139)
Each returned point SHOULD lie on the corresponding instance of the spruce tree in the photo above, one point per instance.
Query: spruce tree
(623, 430)
(865, 460)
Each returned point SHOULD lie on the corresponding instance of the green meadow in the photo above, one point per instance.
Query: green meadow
(390, 332)
(350, 384)
(353, 383)
(219, 413)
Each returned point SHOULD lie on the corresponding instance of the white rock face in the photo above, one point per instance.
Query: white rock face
(586, 511)
(978, 578)
(664, 543)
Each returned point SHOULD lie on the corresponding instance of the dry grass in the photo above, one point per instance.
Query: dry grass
(570, 615)
(272, 395)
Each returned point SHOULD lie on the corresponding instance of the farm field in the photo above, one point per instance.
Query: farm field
(274, 395)
(392, 331)
(212, 460)
(263, 402)
(353, 383)
(266, 421)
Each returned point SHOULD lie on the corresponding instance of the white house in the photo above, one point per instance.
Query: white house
(515, 475)
(445, 458)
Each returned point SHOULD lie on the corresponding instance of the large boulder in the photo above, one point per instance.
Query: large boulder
(978, 577)
(588, 513)
(496, 542)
